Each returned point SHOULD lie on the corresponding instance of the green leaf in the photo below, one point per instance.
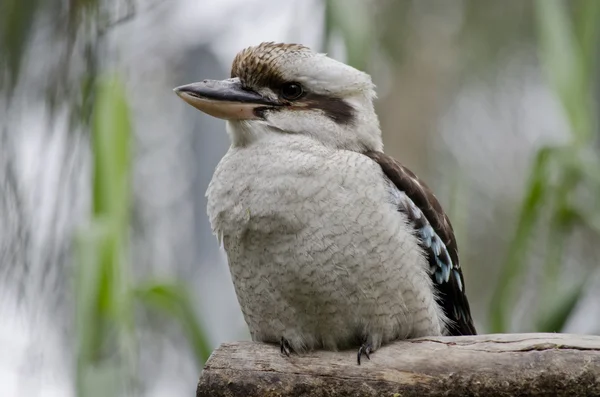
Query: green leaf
(174, 299)
(104, 310)
(587, 28)
(512, 270)
(560, 309)
(88, 285)
(566, 65)
(111, 134)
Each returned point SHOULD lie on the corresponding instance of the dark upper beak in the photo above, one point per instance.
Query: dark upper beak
(225, 99)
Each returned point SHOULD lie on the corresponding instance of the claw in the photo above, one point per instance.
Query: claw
(365, 349)
(285, 346)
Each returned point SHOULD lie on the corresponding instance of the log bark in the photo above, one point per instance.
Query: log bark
(482, 365)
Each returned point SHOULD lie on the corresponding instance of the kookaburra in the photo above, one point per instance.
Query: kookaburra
(331, 243)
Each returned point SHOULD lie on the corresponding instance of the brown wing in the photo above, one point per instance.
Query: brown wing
(436, 236)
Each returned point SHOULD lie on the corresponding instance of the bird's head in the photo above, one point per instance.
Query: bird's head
(279, 89)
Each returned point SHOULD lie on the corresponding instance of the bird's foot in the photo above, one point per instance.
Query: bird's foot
(285, 346)
(366, 349)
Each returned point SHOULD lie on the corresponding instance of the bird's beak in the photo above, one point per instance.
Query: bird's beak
(225, 99)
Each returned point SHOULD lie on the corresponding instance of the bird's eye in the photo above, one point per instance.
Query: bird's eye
(291, 91)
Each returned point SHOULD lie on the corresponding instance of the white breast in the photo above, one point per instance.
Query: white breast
(318, 252)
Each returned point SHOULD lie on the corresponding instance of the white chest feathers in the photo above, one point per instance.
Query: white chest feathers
(318, 253)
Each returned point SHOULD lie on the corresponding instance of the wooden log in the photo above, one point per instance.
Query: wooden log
(482, 365)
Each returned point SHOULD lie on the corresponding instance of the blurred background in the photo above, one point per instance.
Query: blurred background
(110, 280)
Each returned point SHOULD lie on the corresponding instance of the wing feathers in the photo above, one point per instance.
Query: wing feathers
(436, 235)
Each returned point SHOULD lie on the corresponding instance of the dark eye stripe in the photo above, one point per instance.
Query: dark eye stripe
(336, 109)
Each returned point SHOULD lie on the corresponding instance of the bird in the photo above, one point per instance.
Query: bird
(331, 243)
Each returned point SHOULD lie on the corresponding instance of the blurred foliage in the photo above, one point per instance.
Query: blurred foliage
(15, 28)
(353, 21)
(72, 32)
(106, 295)
(105, 322)
(175, 300)
(491, 29)
(21, 19)
(487, 30)
(105, 291)
(568, 42)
